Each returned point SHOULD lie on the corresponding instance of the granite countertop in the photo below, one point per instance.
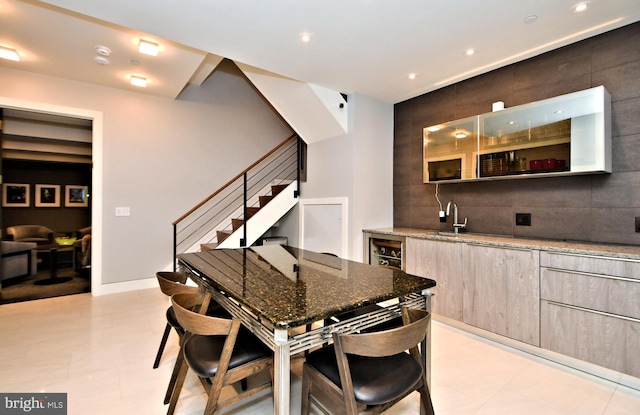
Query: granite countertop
(570, 247)
(290, 287)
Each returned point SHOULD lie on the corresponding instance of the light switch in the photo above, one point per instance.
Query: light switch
(123, 211)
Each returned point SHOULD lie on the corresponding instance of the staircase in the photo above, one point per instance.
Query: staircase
(237, 223)
(241, 211)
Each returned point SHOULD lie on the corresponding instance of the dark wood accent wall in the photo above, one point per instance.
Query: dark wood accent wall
(599, 208)
(59, 219)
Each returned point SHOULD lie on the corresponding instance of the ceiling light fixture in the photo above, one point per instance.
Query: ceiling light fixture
(140, 81)
(9, 54)
(413, 75)
(101, 60)
(305, 37)
(148, 48)
(460, 135)
(582, 6)
(103, 50)
(530, 19)
(470, 52)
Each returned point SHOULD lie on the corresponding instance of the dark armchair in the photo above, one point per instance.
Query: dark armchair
(83, 248)
(30, 233)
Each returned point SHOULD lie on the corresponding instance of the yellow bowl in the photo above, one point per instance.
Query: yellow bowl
(65, 240)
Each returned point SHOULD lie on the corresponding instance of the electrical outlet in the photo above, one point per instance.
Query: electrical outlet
(638, 224)
(523, 219)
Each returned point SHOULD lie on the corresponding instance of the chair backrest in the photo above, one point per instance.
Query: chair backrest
(174, 276)
(201, 324)
(170, 287)
(386, 342)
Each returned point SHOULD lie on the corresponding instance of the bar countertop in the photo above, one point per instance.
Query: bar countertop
(620, 251)
(290, 287)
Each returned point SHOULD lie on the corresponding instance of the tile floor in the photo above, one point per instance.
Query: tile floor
(100, 351)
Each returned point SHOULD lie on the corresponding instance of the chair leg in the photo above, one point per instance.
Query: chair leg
(163, 343)
(425, 398)
(182, 374)
(174, 376)
(306, 390)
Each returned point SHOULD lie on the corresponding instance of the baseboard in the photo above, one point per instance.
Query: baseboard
(119, 287)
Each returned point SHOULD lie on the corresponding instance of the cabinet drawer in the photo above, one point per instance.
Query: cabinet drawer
(600, 293)
(591, 264)
(598, 338)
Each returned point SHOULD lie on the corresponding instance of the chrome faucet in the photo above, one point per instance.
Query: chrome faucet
(456, 225)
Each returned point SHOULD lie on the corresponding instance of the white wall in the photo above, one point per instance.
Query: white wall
(358, 166)
(160, 156)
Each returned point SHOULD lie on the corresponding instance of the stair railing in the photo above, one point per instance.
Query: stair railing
(198, 226)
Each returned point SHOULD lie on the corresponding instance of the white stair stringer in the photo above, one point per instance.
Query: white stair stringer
(264, 219)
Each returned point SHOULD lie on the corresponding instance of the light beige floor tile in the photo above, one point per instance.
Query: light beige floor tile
(100, 350)
(625, 401)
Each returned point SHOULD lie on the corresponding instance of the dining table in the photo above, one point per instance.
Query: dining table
(278, 292)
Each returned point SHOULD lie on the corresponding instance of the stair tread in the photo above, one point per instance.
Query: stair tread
(277, 188)
(208, 247)
(236, 223)
(264, 200)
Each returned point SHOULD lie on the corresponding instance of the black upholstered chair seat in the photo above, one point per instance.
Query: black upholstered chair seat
(202, 353)
(171, 318)
(371, 375)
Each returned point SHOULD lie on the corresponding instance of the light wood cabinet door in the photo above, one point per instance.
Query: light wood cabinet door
(600, 338)
(442, 262)
(501, 291)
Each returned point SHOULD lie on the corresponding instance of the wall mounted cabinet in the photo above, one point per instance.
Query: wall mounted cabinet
(569, 134)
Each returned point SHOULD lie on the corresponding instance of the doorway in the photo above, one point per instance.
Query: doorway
(94, 164)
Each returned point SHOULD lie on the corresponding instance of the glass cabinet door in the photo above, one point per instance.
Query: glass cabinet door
(450, 150)
(569, 134)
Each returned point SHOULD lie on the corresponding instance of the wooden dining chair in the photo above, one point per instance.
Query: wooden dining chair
(369, 372)
(219, 349)
(171, 283)
(174, 283)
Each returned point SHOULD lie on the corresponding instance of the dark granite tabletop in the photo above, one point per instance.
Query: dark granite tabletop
(289, 287)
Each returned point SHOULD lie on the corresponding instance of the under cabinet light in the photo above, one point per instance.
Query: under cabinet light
(148, 48)
(140, 81)
(9, 54)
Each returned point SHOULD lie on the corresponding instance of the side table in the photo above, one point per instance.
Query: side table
(54, 250)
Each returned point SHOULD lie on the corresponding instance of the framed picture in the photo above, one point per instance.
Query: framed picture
(15, 195)
(76, 196)
(47, 195)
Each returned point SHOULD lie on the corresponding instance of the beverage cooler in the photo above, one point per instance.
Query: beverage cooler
(385, 250)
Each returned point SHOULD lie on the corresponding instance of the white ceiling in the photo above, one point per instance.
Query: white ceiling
(364, 46)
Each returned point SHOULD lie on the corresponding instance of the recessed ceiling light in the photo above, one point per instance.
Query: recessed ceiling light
(9, 54)
(305, 37)
(530, 19)
(413, 75)
(460, 135)
(101, 60)
(433, 129)
(103, 50)
(140, 81)
(148, 48)
(470, 52)
(582, 6)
